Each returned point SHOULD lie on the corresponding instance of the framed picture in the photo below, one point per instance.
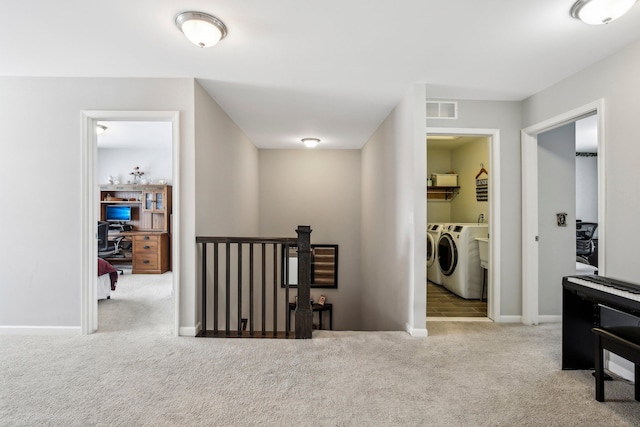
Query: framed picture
(322, 300)
(324, 266)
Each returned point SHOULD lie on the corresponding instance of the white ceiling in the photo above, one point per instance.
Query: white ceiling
(331, 69)
(130, 134)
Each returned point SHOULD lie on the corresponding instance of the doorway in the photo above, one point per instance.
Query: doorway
(91, 213)
(491, 211)
(532, 189)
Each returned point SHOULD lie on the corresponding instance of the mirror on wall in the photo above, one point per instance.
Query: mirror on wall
(324, 266)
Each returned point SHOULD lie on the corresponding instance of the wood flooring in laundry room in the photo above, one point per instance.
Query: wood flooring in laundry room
(442, 303)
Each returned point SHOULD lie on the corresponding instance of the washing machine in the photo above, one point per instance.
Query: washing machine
(433, 270)
(459, 259)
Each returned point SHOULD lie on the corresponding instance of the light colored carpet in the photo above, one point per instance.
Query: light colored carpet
(134, 373)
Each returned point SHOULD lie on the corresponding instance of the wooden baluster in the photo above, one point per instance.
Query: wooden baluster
(251, 289)
(264, 289)
(275, 289)
(239, 289)
(215, 289)
(228, 287)
(285, 274)
(204, 287)
(304, 314)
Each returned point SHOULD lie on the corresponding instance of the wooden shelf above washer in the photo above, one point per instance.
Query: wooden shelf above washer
(445, 194)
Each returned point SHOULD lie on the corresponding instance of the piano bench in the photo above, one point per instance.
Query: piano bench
(623, 341)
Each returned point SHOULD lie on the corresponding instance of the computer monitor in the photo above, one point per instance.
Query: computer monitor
(118, 213)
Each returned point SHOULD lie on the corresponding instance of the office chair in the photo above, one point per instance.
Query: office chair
(106, 248)
(584, 239)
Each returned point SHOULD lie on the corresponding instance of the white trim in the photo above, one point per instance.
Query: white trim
(495, 203)
(617, 368)
(40, 330)
(89, 304)
(89, 252)
(415, 332)
(510, 319)
(529, 150)
(189, 331)
(529, 154)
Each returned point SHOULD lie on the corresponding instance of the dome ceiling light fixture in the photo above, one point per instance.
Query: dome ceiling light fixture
(200, 28)
(100, 129)
(310, 142)
(598, 12)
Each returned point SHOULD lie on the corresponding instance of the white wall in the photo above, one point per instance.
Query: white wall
(556, 194)
(155, 162)
(43, 164)
(587, 189)
(393, 219)
(227, 173)
(226, 185)
(466, 161)
(320, 188)
(505, 116)
(616, 80)
(41, 176)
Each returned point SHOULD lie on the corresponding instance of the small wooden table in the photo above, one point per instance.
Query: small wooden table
(316, 308)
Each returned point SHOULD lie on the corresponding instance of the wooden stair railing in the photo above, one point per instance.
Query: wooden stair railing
(273, 264)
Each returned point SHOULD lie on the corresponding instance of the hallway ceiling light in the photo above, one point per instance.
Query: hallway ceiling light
(310, 142)
(200, 28)
(100, 129)
(597, 12)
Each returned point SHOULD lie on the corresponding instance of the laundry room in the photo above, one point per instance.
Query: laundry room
(458, 177)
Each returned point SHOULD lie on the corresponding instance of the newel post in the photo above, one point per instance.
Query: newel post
(304, 314)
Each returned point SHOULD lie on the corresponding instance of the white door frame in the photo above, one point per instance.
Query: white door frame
(494, 285)
(529, 142)
(90, 198)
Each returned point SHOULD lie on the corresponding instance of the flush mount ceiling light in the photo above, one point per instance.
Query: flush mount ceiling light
(596, 12)
(200, 28)
(100, 129)
(310, 142)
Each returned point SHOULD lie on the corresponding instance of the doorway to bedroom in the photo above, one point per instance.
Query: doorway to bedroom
(131, 164)
(134, 172)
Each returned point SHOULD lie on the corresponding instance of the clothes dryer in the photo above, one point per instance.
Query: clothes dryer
(459, 259)
(433, 236)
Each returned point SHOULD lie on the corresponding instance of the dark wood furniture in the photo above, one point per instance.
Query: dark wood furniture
(150, 235)
(593, 301)
(317, 308)
(623, 341)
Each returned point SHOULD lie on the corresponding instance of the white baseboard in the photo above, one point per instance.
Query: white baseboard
(189, 331)
(414, 332)
(508, 319)
(619, 366)
(40, 330)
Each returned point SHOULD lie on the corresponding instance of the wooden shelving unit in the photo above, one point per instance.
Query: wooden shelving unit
(150, 235)
(442, 193)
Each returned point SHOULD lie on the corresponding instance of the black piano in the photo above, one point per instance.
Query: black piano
(589, 301)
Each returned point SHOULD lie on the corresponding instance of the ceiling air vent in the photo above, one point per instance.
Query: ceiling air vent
(442, 110)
